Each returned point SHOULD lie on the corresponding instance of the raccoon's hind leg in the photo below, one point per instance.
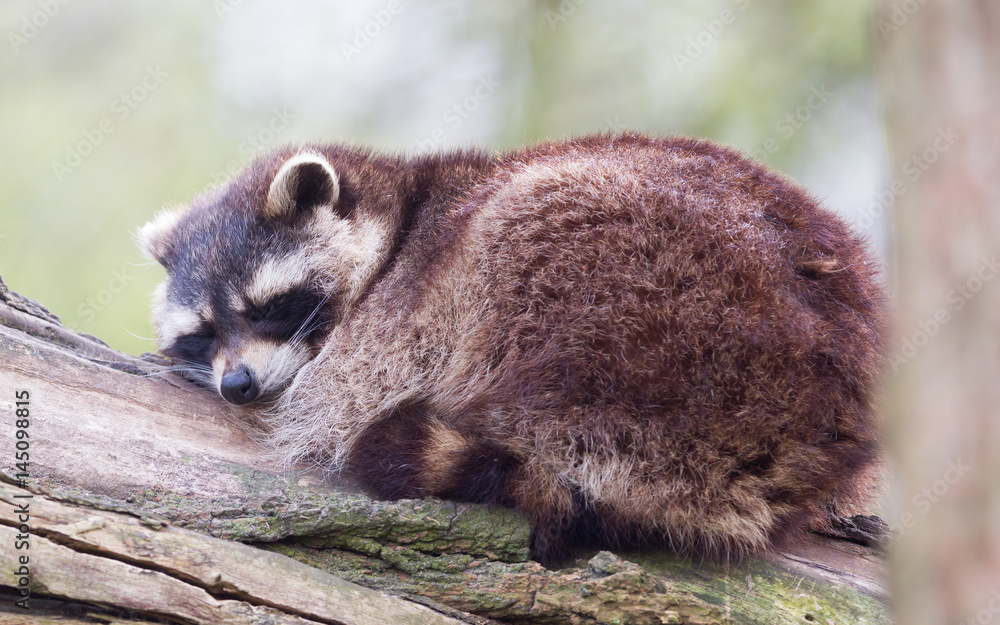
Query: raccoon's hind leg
(554, 509)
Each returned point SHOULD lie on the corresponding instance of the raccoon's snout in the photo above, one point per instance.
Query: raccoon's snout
(240, 386)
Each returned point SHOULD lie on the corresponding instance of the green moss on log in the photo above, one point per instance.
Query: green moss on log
(756, 591)
(352, 521)
(604, 590)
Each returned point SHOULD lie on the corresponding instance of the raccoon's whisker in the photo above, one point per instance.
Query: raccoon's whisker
(142, 338)
(306, 329)
(184, 366)
(190, 367)
(301, 338)
(197, 370)
(181, 364)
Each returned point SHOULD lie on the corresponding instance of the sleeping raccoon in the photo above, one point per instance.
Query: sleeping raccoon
(633, 341)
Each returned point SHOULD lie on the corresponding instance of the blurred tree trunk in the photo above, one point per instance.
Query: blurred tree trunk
(939, 65)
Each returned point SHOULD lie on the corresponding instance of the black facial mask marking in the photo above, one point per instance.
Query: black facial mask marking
(197, 348)
(299, 313)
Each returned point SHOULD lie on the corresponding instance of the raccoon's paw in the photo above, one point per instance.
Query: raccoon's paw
(312, 421)
(864, 529)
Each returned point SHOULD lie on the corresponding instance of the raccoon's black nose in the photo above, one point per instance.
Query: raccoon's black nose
(239, 387)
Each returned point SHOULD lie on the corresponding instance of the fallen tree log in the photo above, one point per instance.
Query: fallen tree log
(113, 558)
(151, 500)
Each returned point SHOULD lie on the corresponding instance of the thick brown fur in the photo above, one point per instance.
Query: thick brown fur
(631, 340)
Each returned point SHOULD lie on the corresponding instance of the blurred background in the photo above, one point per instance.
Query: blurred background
(112, 110)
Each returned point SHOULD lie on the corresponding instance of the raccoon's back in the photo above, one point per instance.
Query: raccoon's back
(660, 272)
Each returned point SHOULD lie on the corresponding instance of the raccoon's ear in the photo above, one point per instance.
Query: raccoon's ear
(154, 238)
(305, 181)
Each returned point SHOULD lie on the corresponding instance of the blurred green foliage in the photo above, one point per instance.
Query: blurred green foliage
(217, 75)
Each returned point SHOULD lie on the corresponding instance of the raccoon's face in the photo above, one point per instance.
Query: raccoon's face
(258, 274)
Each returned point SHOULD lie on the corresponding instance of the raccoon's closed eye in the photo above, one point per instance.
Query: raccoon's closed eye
(278, 310)
(194, 348)
(297, 312)
(263, 313)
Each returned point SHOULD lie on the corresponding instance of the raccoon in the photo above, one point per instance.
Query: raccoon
(632, 340)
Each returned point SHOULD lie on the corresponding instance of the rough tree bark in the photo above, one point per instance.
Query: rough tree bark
(150, 501)
(938, 65)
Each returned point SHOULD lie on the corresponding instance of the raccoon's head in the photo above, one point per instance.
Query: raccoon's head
(259, 272)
